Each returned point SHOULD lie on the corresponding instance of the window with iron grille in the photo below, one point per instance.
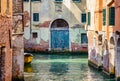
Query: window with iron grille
(34, 35)
(84, 39)
(89, 18)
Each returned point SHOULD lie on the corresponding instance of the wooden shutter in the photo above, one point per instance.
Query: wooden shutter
(36, 16)
(104, 16)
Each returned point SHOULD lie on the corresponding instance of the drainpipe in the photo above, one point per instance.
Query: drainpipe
(30, 20)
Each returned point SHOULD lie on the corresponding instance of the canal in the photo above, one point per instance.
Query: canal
(61, 67)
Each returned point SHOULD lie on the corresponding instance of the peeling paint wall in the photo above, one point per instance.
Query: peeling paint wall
(49, 11)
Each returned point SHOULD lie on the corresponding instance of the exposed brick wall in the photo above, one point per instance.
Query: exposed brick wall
(17, 6)
(5, 42)
(31, 46)
(17, 41)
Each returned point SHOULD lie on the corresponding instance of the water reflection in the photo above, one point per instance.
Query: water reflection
(28, 68)
(61, 68)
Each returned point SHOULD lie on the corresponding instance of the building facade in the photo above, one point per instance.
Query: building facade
(103, 35)
(17, 41)
(5, 40)
(52, 25)
(116, 42)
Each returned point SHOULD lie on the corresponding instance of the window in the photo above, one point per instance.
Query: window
(35, 0)
(34, 35)
(84, 39)
(89, 18)
(35, 16)
(111, 16)
(76, 0)
(83, 17)
(104, 16)
(26, 0)
(58, 0)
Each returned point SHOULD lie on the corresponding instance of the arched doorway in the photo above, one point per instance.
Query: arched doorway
(59, 35)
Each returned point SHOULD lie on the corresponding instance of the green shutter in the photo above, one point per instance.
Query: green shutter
(89, 15)
(104, 16)
(83, 18)
(111, 16)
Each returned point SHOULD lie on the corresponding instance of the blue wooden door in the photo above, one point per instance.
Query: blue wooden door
(60, 38)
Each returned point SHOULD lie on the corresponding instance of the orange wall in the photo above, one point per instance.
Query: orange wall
(98, 16)
(4, 7)
(117, 15)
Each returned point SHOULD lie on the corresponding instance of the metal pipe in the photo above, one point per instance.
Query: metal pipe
(30, 20)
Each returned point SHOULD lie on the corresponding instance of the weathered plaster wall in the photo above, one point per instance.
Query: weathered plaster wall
(17, 42)
(75, 39)
(92, 50)
(48, 12)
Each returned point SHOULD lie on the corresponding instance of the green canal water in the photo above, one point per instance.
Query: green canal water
(61, 67)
